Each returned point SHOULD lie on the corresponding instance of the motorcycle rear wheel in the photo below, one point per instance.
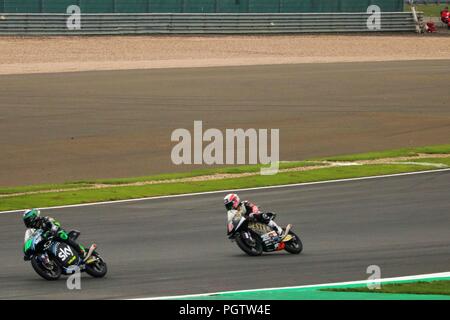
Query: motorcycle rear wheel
(50, 275)
(257, 250)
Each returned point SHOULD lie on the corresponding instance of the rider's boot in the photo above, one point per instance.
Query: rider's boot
(89, 254)
(275, 227)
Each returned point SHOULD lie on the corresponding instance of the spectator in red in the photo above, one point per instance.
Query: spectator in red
(445, 15)
(430, 27)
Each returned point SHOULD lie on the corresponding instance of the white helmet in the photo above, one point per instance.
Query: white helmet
(231, 201)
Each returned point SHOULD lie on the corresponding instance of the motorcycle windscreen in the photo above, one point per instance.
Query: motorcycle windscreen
(65, 254)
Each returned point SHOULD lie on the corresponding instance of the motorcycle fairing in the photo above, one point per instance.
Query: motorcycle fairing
(64, 253)
(259, 228)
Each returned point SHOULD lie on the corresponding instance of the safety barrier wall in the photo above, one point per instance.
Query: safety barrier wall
(109, 24)
(198, 6)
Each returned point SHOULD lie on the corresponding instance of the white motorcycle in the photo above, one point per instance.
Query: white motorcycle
(254, 238)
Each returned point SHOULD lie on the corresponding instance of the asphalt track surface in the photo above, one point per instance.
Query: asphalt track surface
(84, 125)
(176, 246)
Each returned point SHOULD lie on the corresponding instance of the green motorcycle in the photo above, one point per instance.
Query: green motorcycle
(50, 257)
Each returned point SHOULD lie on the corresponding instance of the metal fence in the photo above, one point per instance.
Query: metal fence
(120, 24)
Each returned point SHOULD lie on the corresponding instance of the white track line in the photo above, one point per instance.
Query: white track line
(406, 278)
(235, 190)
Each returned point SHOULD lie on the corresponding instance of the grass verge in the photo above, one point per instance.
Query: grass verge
(116, 189)
(160, 177)
(404, 152)
(429, 10)
(421, 287)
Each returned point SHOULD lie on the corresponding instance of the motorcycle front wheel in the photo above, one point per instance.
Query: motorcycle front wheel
(294, 246)
(50, 274)
(255, 250)
(97, 269)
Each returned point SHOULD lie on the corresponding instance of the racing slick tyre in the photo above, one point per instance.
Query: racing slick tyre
(48, 274)
(255, 250)
(97, 269)
(294, 246)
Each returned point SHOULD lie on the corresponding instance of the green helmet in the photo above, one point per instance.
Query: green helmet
(30, 217)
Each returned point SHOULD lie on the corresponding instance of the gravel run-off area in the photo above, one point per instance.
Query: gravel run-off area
(65, 54)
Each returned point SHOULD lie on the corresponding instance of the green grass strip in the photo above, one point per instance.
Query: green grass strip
(132, 192)
(439, 149)
(43, 187)
(120, 191)
(352, 291)
(421, 287)
(429, 10)
(404, 152)
(445, 161)
(160, 177)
